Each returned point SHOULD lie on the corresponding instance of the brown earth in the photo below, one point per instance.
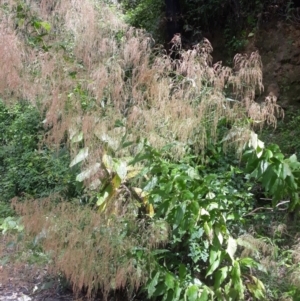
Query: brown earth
(278, 43)
(25, 282)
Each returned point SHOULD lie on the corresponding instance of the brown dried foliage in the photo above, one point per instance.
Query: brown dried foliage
(93, 252)
(120, 78)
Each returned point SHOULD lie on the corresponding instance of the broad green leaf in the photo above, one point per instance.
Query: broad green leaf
(220, 276)
(286, 171)
(236, 271)
(214, 264)
(268, 154)
(231, 247)
(182, 272)
(82, 155)
(214, 254)
(262, 168)
(269, 176)
(293, 159)
(88, 173)
(202, 211)
(177, 292)
(151, 286)
(204, 295)
(238, 287)
(212, 206)
(187, 195)
(178, 216)
(169, 296)
(169, 281)
(248, 262)
(192, 293)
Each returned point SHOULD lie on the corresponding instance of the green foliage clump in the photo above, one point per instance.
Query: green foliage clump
(202, 207)
(27, 167)
(279, 176)
(286, 133)
(145, 14)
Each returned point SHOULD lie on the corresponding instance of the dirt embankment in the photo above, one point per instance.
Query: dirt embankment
(278, 43)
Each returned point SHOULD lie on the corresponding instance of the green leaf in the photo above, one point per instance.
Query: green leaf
(214, 254)
(169, 281)
(182, 272)
(192, 293)
(256, 288)
(204, 295)
(169, 296)
(180, 210)
(46, 25)
(220, 276)
(236, 272)
(151, 184)
(177, 292)
(286, 171)
(214, 260)
(82, 155)
(151, 287)
(210, 195)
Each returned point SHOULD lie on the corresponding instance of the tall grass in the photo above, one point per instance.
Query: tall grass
(94, 253)
(96, 70)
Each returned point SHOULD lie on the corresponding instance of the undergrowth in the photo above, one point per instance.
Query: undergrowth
(135, 130)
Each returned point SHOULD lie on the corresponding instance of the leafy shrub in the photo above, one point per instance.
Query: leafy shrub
(27, 167)
(199, 204)
(285, 133)
(279, 176)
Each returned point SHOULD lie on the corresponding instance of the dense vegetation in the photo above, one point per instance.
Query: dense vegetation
(138, 172)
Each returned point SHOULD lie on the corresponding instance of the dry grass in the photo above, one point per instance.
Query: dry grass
(94, 253)
(116, 76)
